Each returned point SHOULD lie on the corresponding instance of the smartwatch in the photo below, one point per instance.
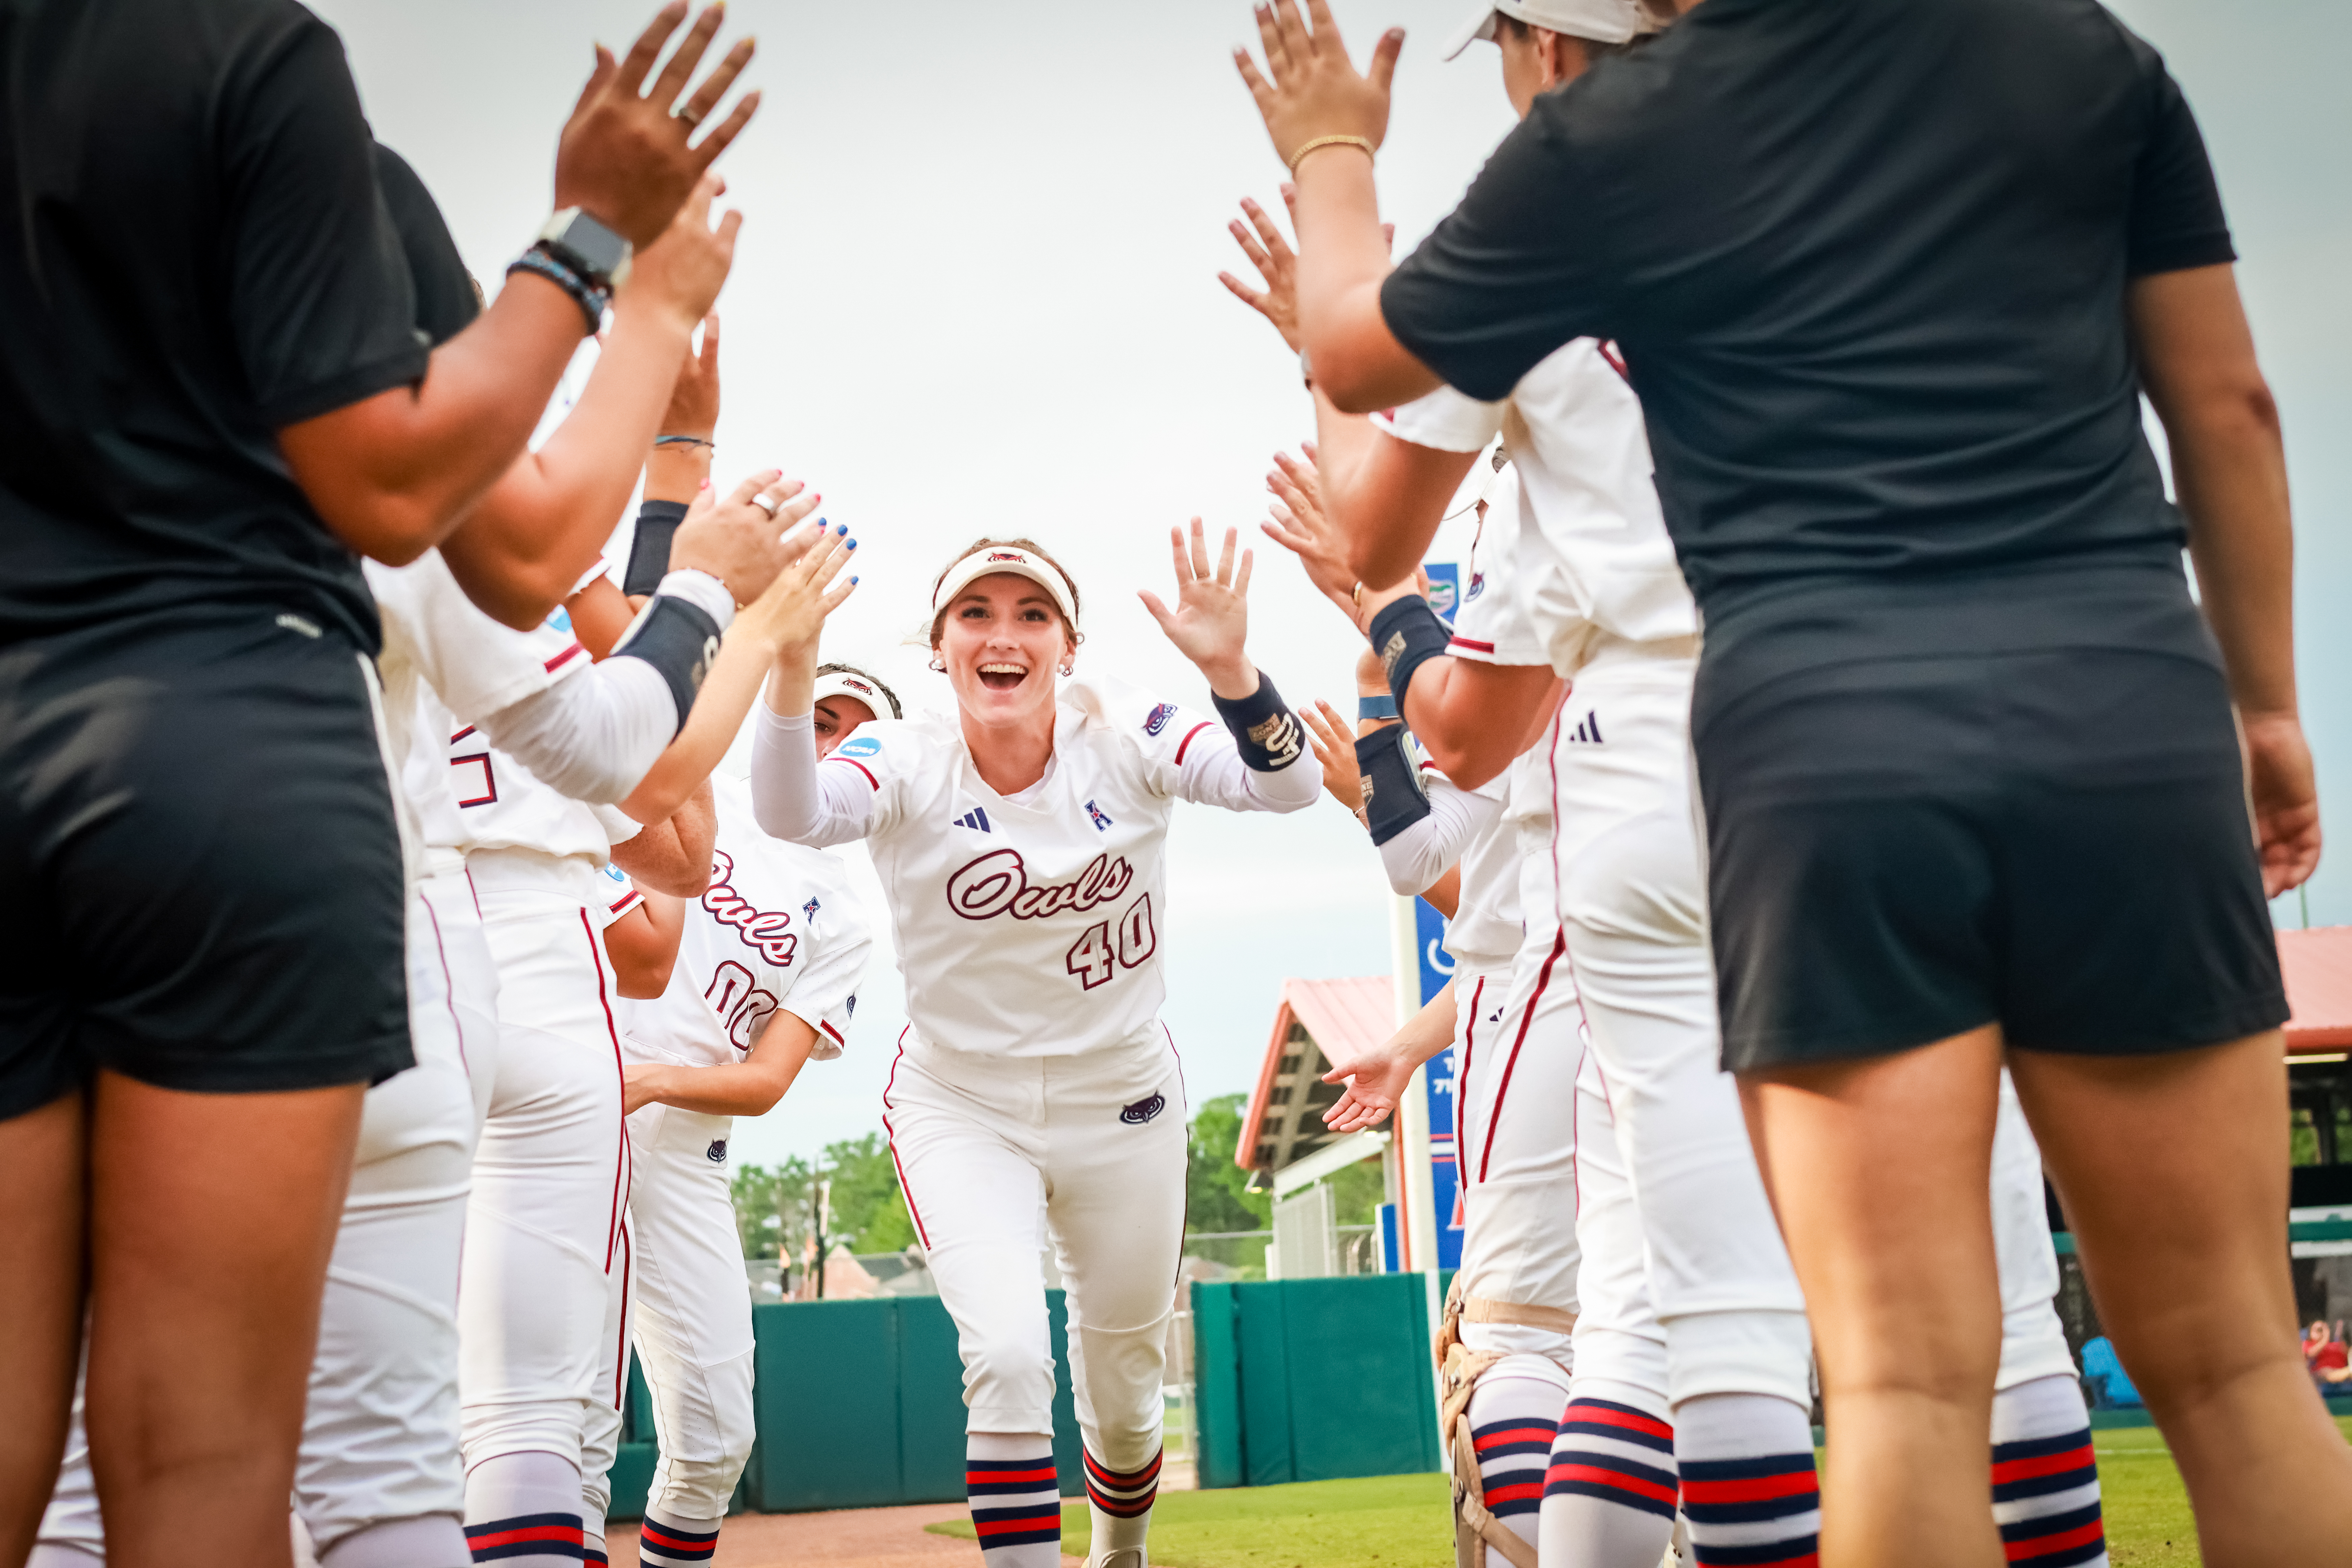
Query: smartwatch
(587, 246)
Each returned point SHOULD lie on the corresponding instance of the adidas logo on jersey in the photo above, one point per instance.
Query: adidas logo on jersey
(976, 819)
(1587, 728)
(1101, 822)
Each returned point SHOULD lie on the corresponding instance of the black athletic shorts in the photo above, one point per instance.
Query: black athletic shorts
(200, 865)
(1902, 849)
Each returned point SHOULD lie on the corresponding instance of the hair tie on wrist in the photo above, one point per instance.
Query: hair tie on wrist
(1320, 143)
(684, 441)
(1381, 707)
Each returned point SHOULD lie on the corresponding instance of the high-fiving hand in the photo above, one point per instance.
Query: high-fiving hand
(1310, 89)
(1210, 620)
(788, 617)
(625, 157)
(745, 540)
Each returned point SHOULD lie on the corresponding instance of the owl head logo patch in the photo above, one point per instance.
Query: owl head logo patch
(1143, 1110)
(716, 1152)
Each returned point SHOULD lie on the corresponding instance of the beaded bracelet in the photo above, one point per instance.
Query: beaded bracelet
(1321, 142)
(591, 300)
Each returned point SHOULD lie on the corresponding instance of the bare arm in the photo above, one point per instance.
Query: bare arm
(748, 1087)
(1311, 90)
(643, 945)
(392, 474)
(673, 856)
(1377, 1080)
(520, 551)
(2229, 467)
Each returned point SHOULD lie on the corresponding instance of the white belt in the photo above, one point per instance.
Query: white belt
(572, 877)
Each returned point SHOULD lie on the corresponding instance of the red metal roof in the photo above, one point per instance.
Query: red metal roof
(1345, 1017)
(2318, 968)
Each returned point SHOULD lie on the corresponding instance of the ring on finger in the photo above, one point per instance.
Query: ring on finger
(690, 117)
(764, 504)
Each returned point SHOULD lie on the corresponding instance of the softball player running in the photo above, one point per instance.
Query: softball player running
(1035, 1094)
(764, 978)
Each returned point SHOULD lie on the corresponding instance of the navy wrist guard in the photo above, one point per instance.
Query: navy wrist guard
(1395, 796)
(657, 521)
(1265, 729)
(1408, 635)
(680, 641)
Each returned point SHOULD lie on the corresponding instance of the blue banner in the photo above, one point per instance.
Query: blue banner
(1444, 587)
(1437, 968)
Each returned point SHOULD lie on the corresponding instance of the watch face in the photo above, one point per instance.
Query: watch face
(600, 252)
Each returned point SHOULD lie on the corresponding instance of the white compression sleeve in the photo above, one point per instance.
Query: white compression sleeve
(594, 735)
(1420, 855)
(792, 797)
(1214, 774)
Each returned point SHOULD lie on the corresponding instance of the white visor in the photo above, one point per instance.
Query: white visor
(857, 688)
(1602, 21)
(997, 558)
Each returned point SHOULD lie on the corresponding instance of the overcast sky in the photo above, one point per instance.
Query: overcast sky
(976, 293)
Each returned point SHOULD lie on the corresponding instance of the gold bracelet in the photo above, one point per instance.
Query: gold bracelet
(1320, 142)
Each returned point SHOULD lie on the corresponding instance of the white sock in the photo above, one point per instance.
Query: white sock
(2045, 1478)
(1015, 1498)
(1748, 1487)
(591, 1542)
(1609, 1493)
(1514, 1415)
(667, 1540)
(522, 1511)
(1119, 1502)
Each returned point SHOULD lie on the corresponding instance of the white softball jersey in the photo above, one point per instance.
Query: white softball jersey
(778, 930)
(1030, 925)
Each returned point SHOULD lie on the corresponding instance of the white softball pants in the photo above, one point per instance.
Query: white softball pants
(1514, 1071)
(380, 1432)
(689, 1309)
(999, 1154)
(543, 1229)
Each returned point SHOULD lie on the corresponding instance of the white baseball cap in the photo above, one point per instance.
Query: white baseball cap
(993, 558)
(1602, 21)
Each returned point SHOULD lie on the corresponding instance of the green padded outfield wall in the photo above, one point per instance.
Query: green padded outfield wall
(1279, 1390)
(859, 1405)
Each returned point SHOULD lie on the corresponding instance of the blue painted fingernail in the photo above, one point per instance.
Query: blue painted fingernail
(853, 582)
(853, 544)
(843, 529)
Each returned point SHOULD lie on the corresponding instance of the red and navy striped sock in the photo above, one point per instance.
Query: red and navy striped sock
(591, 1549)
(1121, 1502)
(674, 1541)
(527, 1540)
(1609, 1490)
(1016, 1498)
(1748, 1488)
(1514, 1415)
(2045, 1478)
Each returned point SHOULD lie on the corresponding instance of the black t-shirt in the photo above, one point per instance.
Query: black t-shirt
(194, 253)
(445, 301)
(1866, 261)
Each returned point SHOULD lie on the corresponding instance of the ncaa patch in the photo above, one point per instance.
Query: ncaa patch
(1157, 720)
(716, 1152)
(858, 746)
(1143, 1110)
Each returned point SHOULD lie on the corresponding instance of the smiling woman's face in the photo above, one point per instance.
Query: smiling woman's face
(1002, 640)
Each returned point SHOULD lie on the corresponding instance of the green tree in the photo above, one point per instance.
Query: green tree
(771, 1209)
(1213, 1196)
(869, 1212)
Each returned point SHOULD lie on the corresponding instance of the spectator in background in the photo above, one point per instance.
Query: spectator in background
(2324, 1354)
(213, 400)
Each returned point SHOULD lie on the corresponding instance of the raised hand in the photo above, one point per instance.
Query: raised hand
(745, 540)
(625, 157)
(1335, 749)
(1310, 89)
(791, 615)
(1211, 619)
(694, 397)
(1376, 1085)
(683, 270)
(1301, 527)
(1277, 268)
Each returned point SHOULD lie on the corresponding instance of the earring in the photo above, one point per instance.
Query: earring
(939, 663)
(1065, 670)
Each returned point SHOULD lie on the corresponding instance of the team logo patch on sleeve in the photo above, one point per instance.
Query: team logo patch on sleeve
(858, 746)
(1157, 720)
(1143, 1110)
(716, 1152)
(1101, 822)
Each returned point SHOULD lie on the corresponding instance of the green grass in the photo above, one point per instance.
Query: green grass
(1402, 1520)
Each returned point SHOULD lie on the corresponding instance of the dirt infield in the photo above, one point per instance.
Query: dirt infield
(852, 1538)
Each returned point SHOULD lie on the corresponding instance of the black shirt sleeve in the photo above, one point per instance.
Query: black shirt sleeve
(446, 302)
(322, 304)
(2176, 205)
(1514, 272)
